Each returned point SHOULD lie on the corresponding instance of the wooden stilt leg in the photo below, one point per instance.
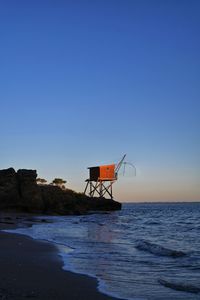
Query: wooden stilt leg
(86, 187)
(100, 188)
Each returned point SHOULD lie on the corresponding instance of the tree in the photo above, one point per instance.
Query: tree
(41, 180)
(59, 182)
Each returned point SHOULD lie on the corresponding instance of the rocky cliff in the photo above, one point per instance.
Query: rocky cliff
(19, 191)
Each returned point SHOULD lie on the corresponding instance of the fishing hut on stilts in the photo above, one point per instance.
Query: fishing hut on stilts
(101, 179)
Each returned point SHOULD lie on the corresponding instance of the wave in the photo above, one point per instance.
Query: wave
(180, 286)
(158, 250)
(149, 222)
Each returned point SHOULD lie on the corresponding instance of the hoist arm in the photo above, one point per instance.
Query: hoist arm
(118, 166)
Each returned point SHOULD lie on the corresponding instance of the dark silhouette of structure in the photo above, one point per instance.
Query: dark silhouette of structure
(101, 179)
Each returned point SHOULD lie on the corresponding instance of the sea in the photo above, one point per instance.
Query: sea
(148, 251)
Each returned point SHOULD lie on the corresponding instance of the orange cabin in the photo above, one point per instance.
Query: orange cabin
(104, 173)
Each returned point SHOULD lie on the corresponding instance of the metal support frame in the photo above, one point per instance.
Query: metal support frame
(99, 188)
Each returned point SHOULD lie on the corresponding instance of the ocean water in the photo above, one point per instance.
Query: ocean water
(144, 251)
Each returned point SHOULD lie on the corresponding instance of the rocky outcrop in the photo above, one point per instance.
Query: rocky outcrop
(20, 191)
(9, 195)
(30, 196)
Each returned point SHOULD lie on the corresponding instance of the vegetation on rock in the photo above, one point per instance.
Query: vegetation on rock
(41, 180)
(59, 182)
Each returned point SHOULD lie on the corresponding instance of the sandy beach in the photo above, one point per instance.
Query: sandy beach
(33, 270)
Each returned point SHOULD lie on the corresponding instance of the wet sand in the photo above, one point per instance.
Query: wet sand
(33, 270)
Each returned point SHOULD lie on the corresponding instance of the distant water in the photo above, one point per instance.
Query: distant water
(144, 251)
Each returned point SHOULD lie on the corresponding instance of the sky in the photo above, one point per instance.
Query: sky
(84, 82)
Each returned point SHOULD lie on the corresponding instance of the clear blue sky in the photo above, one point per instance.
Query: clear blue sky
(83, 82)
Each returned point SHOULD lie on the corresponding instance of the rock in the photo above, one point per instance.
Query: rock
(103, 204)
(9, 196)
(29, 191)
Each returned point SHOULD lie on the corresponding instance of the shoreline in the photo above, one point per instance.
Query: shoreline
(33, 269)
